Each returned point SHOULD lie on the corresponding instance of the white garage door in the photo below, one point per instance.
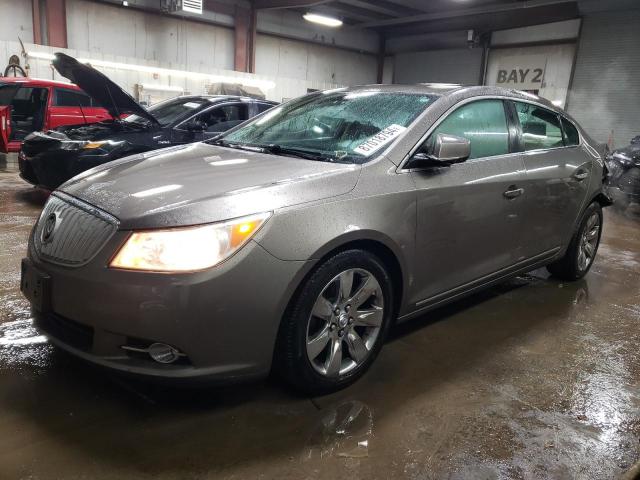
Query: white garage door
(543, 70)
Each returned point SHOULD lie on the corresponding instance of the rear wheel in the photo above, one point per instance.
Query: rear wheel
(583, 247)
(337, 323)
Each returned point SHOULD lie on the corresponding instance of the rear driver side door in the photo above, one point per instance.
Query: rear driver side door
(557, 180)
(467, 228)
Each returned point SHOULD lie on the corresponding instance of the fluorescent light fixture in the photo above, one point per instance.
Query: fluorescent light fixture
(163, 88)
(322, 20)
(41, 55)
(246, 81)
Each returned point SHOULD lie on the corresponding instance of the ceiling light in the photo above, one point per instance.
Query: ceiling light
(322, 20)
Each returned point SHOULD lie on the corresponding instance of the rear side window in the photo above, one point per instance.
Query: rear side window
(571, 135)
(540, 127)
(70, 98)
(483, 123)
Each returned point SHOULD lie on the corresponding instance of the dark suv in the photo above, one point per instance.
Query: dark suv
(50, 158)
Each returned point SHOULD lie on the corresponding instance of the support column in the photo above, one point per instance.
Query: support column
(382, 48)
(245, 34)
(56, 18)
(37, 22)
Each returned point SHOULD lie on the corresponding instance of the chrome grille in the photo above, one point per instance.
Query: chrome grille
(79, 231)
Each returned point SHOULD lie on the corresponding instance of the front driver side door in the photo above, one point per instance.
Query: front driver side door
(468, 223)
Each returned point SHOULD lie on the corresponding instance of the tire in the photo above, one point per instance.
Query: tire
(311, 320)
(577, 261)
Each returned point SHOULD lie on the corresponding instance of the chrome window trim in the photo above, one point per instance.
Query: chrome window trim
(466, 101)
(87, 207)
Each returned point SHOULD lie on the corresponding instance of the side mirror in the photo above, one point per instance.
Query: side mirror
(197, 126)
(446, 149)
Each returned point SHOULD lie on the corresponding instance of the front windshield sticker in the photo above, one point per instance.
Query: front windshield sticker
(380, 139)
(192, 105)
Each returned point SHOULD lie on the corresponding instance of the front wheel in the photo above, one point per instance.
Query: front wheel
(583, 247)
(337, 323)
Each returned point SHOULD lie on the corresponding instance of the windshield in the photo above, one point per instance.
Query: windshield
(170, 111)
(335, 125)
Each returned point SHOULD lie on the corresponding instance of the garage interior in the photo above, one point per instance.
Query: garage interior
(533, 378)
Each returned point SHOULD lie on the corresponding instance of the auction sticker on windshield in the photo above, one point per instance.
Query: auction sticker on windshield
(379, 139)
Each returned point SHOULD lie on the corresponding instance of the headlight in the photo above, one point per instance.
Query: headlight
(187, 249)
(92, 145)
(71, 145)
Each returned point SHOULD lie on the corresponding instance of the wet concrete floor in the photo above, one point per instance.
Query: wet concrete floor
(531, 379)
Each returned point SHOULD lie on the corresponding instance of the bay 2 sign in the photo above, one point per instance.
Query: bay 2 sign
(521, 78)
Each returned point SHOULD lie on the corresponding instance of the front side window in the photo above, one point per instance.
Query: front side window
(170, 111)
(222, 118)
(540, 127)
(336, 125)
(483, 123)
(69, 98)
(571, 135)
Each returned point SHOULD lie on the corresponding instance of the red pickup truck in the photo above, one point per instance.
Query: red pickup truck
(29, 104)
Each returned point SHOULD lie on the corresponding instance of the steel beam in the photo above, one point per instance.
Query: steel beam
(273, 4)
(426, 17)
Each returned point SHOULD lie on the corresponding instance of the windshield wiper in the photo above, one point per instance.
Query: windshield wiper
(274, 150)
(295, 152)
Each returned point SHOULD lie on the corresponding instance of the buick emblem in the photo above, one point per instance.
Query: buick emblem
(49, 228)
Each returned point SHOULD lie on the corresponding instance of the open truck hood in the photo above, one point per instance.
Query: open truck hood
(98, 86)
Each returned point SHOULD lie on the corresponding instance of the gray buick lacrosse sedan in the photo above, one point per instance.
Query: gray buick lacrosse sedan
(294, 241)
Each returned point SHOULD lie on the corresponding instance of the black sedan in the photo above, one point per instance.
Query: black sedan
(48, 159)
(624, 174)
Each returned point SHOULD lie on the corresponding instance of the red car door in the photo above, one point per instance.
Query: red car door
(73, 106)
(5, 127)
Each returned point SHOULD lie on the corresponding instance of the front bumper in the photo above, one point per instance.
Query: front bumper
(225, 320)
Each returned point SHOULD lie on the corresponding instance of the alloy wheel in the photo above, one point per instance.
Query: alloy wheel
(589, 242)
(345, 322)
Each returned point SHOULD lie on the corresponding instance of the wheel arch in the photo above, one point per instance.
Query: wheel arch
(377, 244)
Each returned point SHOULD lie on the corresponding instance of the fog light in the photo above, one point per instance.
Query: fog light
(163, 353)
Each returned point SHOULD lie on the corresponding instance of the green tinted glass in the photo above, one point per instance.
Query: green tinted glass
(483, 123)
(540, 127)
(571, 133)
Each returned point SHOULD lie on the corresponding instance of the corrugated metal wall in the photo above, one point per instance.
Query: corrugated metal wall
(439, 66)
(605, 93)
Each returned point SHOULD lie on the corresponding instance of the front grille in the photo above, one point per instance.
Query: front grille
(67, 331)
(70, 232)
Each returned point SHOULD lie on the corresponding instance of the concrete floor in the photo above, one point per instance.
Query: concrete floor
(531, 379)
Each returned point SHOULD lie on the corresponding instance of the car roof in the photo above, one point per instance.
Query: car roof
(221, 98)
(38, 82)
(459, 92)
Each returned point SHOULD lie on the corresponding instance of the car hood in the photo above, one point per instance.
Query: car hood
(99, 87)
(201, 183)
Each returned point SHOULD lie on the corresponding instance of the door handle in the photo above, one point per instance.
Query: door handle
(513, 192)
(580, 174)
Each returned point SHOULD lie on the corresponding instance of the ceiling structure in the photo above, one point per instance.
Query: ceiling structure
(393, 18)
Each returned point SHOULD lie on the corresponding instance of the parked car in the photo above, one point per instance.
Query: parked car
(49, 158)
(296, 240)
(624, 174)
(30, 104)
